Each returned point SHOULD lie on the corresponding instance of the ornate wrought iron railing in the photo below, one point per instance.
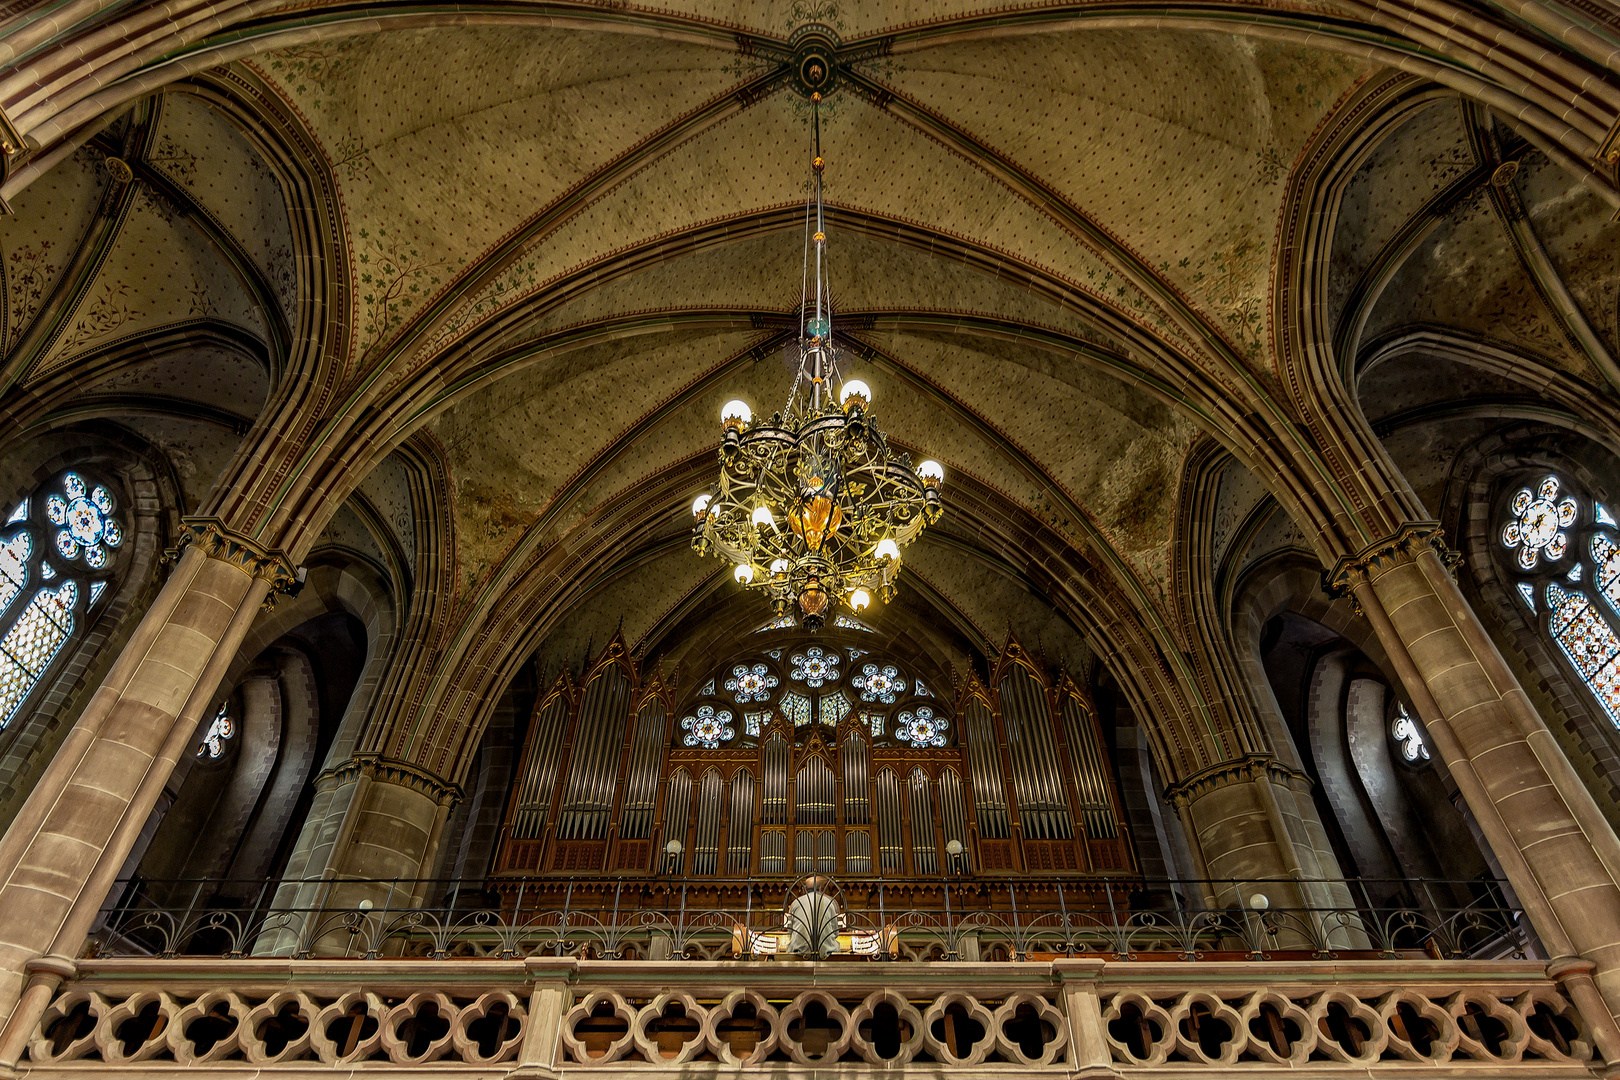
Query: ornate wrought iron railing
(956, 920)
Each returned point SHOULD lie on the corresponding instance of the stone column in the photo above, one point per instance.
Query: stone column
(63, 852)
(1252, 821)
(1557, 850)
(372, 834)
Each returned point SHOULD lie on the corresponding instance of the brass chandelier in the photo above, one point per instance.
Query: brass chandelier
(811, 505)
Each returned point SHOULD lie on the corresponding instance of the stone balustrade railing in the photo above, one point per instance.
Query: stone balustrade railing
(545, 1016)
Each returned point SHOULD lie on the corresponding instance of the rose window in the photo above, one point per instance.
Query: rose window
(920, 727)
(708, 727)
(87, 526)
(879, 683)
(219, 733)
(1538, 524)
(751, 683)
(1408, 738)
(815, 666)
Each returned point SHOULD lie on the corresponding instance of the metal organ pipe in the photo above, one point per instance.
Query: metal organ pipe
(1042, 807)
(989, 794)
(856, 805)
(677, 810)
(706, 850)
(777, 754)
(588, 798)
(953, 810)
(740, 833)
(888, 821)
(641, 787)
(534, 797)
(924, 855)
(1090, 773)
(813, 794)
(858, 852)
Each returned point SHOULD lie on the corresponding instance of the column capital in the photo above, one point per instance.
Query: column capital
(219, 541)
(1403, 543)
(1241, 770)
(391, 771)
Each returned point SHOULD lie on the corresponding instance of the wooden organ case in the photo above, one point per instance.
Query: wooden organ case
(814, 754)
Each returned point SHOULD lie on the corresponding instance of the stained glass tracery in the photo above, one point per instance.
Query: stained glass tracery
(220, 731)
(708, 727)
(49, 573)
(879, 683)
(815, 666)
(751, 682)
(1538, 524)
(1408, 739)
(920, 727)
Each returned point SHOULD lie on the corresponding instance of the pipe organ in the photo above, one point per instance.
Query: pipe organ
(816, 754)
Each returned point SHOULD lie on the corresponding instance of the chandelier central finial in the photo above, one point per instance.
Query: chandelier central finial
(811, 505)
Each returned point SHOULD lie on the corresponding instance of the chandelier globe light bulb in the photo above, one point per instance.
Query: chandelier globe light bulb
(701, 504)
(812, 506)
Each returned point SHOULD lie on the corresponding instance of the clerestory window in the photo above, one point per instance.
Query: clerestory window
(1563, 552)
(58, 549)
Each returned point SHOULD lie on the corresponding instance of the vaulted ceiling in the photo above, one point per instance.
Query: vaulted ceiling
(546, 245)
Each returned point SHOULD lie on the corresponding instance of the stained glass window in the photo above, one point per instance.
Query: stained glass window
(796, 707)
(873, 721)
(754, 723)
(55, 561)
(834, 707)
(920, 727)
(847, 623)
(815, 666)
(708, 727)
(751, 682)
(1538, 523)
(220, 731)
(879, 683)
(1546, 534)
(1408, 739)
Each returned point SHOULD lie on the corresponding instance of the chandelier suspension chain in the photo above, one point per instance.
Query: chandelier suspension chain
(849, 504)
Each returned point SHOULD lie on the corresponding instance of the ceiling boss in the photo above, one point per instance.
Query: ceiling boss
(811, 505)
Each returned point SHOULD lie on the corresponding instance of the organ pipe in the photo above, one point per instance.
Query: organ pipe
(856, 811)
(890, 856)
(924, 855)
(1043, 807)
(740, 833)
(857, 852)
(646, 754)
(540, 778)
(773, 852)
(777, 753)
(953, 810)
(677, 810)
(813, 794)
(1090, 769)
(588, 799)
(706, 848)
(984, 764)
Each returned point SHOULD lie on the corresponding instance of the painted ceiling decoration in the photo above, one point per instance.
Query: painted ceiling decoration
(1123, 274)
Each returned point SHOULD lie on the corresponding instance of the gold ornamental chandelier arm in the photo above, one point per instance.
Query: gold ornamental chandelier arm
(811, 506)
